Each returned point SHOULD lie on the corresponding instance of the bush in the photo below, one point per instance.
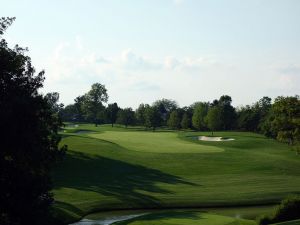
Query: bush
(289, 209)
(264, 220)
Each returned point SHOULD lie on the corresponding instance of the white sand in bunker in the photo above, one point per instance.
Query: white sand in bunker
(205, 138)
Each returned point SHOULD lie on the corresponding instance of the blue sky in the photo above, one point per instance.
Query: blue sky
(144, 50)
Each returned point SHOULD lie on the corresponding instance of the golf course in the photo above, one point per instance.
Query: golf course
(107, 169)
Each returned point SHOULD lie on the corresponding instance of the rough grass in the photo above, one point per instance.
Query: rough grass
(117, 168)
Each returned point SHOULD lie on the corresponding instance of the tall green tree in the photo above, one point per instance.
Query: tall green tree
(185, 122)
(199, 114)
(112, 112)
(174, 120)
(126, 117)
(140, 114)
(228, 114)
(286, 119)
(165, 107)
(29, 145)
(214, 119)
(79, 106)
(152, 117)
(93, 102)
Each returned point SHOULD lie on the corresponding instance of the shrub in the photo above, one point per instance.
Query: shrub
(289, 209)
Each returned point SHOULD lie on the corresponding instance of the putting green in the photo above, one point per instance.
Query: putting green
(156, 142)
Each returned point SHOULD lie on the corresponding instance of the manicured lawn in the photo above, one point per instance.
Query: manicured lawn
(117, 168)
(156, 142)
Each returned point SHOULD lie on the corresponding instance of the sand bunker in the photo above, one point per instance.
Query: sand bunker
(205, 138)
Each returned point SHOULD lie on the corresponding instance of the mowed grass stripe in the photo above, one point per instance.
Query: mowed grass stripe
(156, 142)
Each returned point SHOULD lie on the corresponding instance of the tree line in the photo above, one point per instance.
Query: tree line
(280, 119)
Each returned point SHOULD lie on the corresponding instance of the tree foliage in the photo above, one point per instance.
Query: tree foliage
(93, 102)
(29, 141)
(112, 113)
(286, 119)
(165, 107)
(185, 122)
(174, 120)
(199, 114)
(126, 117)
(214, 118)
(152, 117)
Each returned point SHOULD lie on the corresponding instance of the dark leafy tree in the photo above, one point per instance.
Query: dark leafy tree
(126, 117)
(140, 114)
(228, 114)
(68, 113)
(199, 114)
(214, 119)
(286, 119)
(79, 106)
(174, 120)
(186, 121)
(112, 112)
(29, 144)
(152, 117)
(93, 103)
(248, 118)
(165, 107)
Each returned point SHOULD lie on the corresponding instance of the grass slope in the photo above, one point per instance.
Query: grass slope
(292, 222)
(117, 168)
(186, 218)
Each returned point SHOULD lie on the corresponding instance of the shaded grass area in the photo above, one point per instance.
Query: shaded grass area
(105, 172)
(293, 222)
(186, 218)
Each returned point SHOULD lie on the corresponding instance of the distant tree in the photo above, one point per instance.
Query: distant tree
(213, 119)
(174, 120)
(112, 112)
(165, 107)
(248, 118)
(286, 119)
(52, 99)
(140, 114)
(93, 102)
(254, 118)
(152, 117)
(80, 109)
(199, 114)
(228, 114)
(185, 122)
(29, 145)
(68, 113)
(126, 117)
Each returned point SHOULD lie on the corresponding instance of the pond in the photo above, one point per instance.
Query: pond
(107, 218)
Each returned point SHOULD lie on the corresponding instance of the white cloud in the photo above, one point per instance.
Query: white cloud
(133, 78)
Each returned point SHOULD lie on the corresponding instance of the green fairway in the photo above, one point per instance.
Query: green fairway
(157, 142)
(117, 168)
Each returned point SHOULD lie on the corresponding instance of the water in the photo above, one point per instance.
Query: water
(107, 220)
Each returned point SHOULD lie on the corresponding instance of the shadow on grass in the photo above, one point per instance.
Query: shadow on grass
(131, 184)
(192, 215)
